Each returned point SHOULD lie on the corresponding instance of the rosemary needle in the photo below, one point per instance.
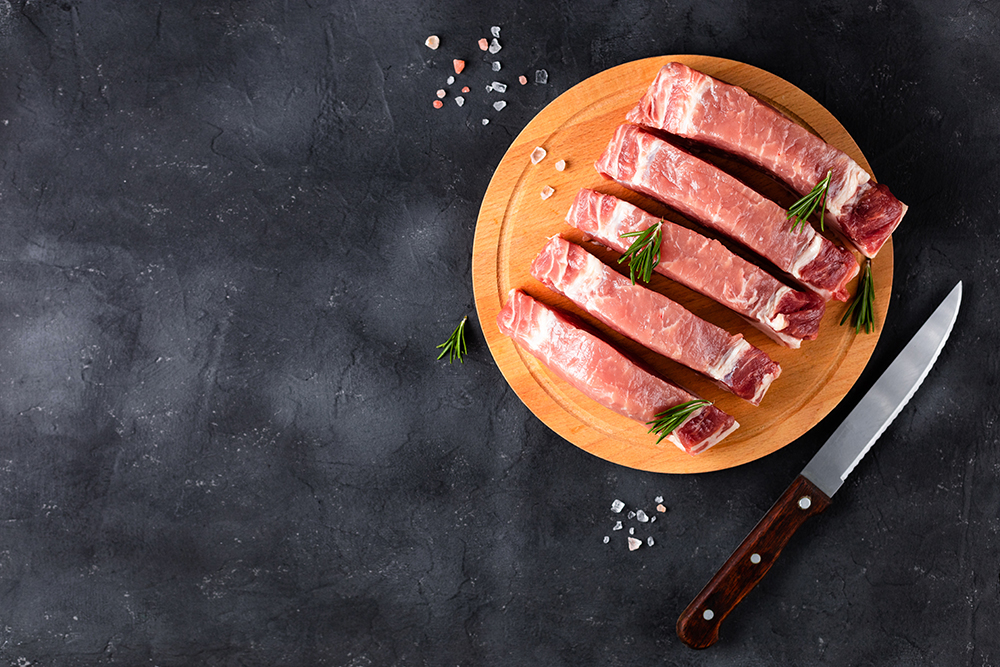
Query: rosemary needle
(863, 305)
(668, 420)
(644, 253)
(454, 347)
(803, 208)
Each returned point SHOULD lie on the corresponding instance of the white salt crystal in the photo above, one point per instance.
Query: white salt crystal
(617, 506)
(652, 519)
(499, 104)
(649, 541)
(495, 31)
(641, 516)
(496, 65)
(547, 192)
(631, 515)
(631, 531)
(494, 46)
(634, 544)
(486, 121)
(499, 87)
(618, 526)
(459, 100)
(451, 80)
(608, 539)
(658, 499)
(541, 76)
(433, 42)
(537, 156)
(561, 165)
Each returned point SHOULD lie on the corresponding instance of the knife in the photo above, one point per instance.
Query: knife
(810, 493)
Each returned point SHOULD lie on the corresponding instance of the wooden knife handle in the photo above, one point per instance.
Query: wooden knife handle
(698, 625)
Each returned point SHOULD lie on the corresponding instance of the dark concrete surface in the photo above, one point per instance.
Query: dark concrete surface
(231, 235)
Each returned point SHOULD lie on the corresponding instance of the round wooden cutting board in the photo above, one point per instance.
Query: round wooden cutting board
(515, 222)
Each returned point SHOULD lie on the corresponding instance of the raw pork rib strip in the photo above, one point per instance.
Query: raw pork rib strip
(655, 321)
(693, 105)
(705, 266)
(604, 374)
(706, 194)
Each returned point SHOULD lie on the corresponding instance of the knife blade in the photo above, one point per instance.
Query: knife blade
(810, 492)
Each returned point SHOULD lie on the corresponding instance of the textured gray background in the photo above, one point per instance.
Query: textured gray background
(231, 234)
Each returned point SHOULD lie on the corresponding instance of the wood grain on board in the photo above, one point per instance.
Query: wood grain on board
(514, 223)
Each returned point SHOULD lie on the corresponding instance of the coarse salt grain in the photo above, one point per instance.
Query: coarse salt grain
(547, 192)
(465, 89)
(432, 42)
(658, 499)
(486, 121)
(634, 544)
(561, 165)
(522, 79)
(450, 80)
(641, 516)
(541, 76)
(661, 508)
(618, 525)
(499, 105)
(459, 65)
(459, 100)
(631, 531)
(649, 541)
(495, 31)
(483, 44)
(606, 539)
(438, 104)
(652, 519)
(537, 156)
(499, 87)
(496, 65)
(441, 93)
(617, 506)
(495, 46)
(631, 515)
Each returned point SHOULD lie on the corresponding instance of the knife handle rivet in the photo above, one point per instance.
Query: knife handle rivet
(805, 502)
(754, 558)
(708, 614)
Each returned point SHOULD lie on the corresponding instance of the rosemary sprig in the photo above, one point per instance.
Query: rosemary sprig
(644, 253)
(863, 305)
(668, 420)
(803, 208)
(454, 347)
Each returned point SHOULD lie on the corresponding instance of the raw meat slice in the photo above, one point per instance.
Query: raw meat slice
(604, 374)
(655, 321)
(705, 266)
(693, 105)
(706, 194)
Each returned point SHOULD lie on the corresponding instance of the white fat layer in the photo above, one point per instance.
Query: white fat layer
(765, 382)
(854, 178)
(537, 336)
(712, 439)
(647, 153)
(614, 224)
(582, 287)
(809, 254)
(778, 321)
(684, 113)
(727, 363)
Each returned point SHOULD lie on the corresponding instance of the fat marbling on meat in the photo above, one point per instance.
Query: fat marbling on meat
(658, 323)
(604, 374)
(689, 104)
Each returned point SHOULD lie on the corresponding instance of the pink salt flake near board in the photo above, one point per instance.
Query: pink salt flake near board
(603, 374)
(704, 265)
(705, 194)
(538, 155)
(689, 104)
(656, 322)
(547, 192)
